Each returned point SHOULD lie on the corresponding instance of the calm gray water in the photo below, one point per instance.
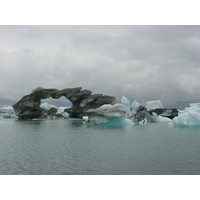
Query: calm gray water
(64, 147)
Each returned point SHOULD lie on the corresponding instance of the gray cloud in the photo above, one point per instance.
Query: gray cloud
(140, 62)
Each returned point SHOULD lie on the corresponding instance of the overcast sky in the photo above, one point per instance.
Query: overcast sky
(140, 62)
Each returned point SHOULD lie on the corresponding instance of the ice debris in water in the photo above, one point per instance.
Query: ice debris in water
(190, 117)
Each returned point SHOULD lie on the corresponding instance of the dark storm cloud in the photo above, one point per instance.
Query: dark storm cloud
(140, 62)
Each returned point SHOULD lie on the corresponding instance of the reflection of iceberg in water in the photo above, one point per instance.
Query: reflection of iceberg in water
(190, 117)
(109, 115)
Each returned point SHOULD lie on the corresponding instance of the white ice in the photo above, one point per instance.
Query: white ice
(134, 107)
(190, 117)
(60, 110)
(47, 106)
(126, 103)
(109, 115)
(6, 109)
(108, 110)
(158, 118)
(153, 104)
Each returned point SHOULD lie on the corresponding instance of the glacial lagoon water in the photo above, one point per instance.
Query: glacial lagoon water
(67, 147)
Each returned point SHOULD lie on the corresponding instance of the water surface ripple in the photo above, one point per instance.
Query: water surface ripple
(64, 147)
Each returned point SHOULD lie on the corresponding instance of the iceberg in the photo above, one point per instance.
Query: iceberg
(109, 115)
(150, 105)
(28, 107)
(6, 109)
(126, 103)
(134, 108)
(158, 118)
(108, 110)
(190, 117)
(142, 116)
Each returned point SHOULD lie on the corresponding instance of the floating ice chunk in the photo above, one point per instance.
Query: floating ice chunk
(108, 110)
(109, 115)
(134, 108)
(187, 119)
(150, 105)
(47, 106)
(163, 119)
(190, 117)
(126, 103)
(6, 109)
(85, 118)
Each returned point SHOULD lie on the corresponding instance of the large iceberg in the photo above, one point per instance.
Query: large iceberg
(28, 107)
(190, 117)
(109, 115)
